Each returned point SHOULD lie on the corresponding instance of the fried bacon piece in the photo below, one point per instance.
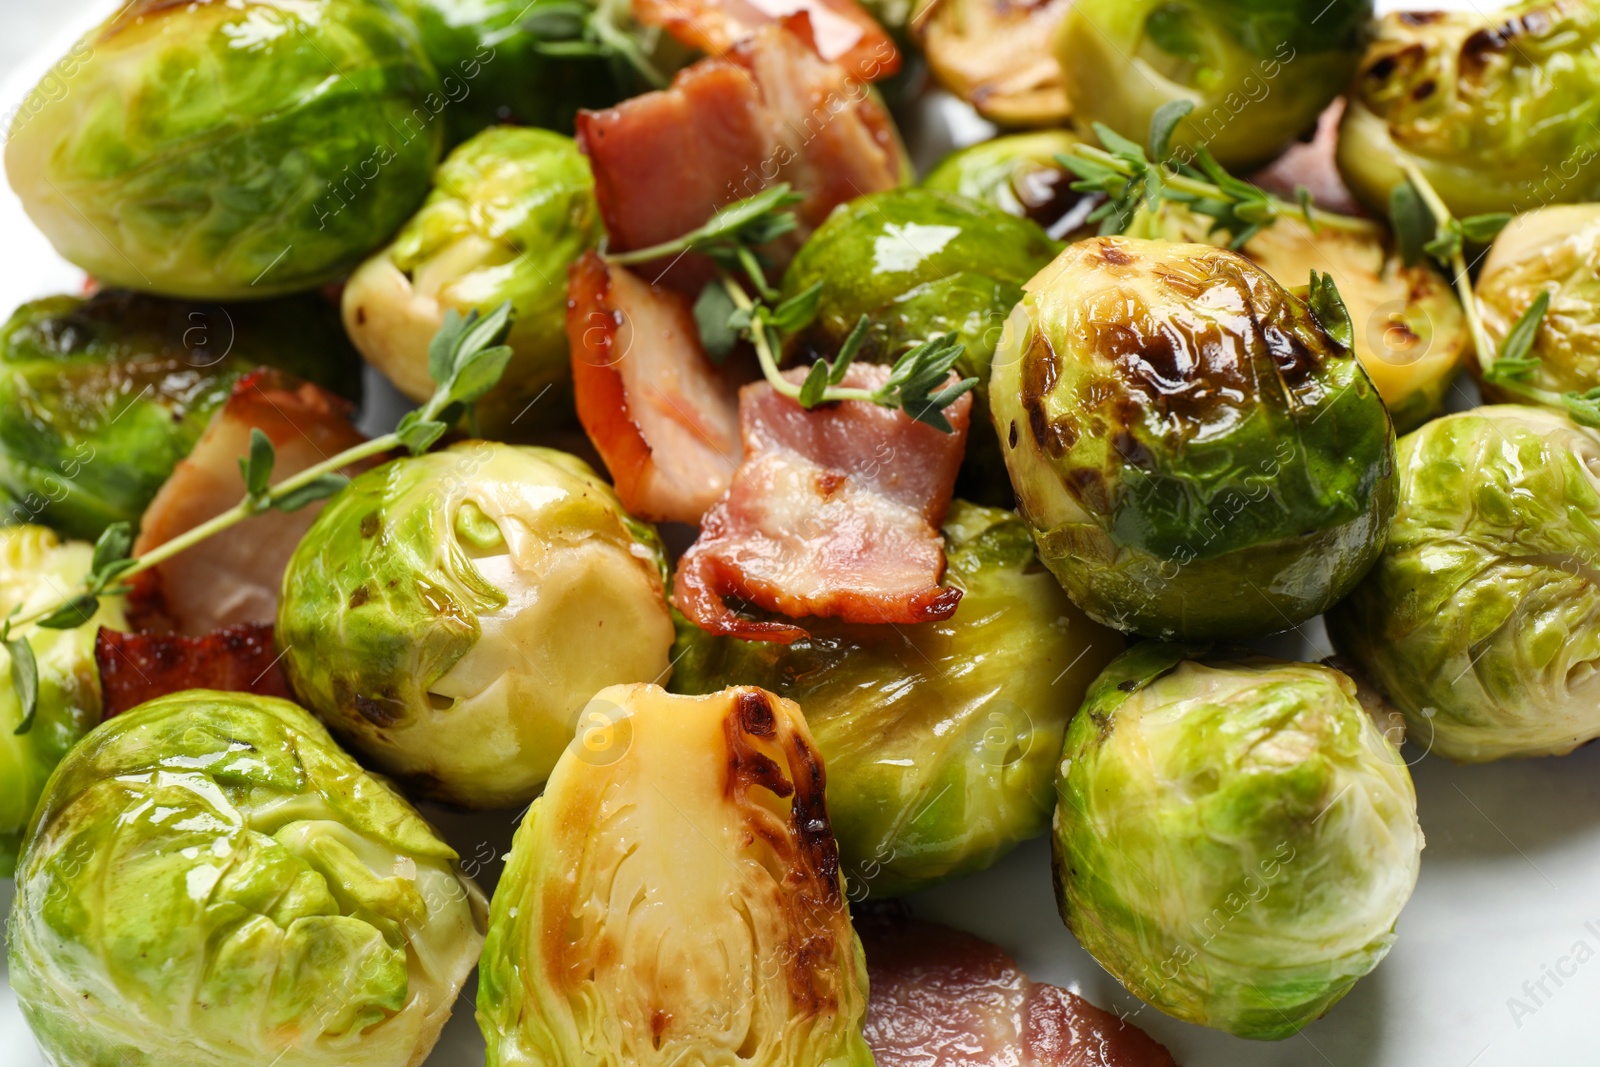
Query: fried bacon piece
(833, 512)
(727, 128)
(135, 668)
(943, 998)
(841, 32)
(662, 416)
(234, 577)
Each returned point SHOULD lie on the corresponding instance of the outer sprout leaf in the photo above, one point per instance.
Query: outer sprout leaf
(25, 680)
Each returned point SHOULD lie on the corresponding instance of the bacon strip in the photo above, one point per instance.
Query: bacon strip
(841, 32)
(135, 668)
(234, 577)
(943, 998)
(664, 419)
(833, 512)
(769, 112)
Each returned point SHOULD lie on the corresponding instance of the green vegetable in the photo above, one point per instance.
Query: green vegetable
(510, 210)
(210, 882)
(101, 397)
(940, 739)
(1197, 456)
(1497, 108)
(448, 615)
(1481, 621)
(1235, 838)
(226, 150)
(1258, 72)
(1020, 175)
(674, 897)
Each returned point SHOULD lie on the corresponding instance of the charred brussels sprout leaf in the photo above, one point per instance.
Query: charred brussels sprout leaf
(210, 882)
(101, 397)
(1196, 456)
(219, 150)
(1481, 621)
(1020, 175)
(449, 615)
(674, 897)
(510, 210)
(1258, 72)
(940, 739)
(1496, 108)
(1234, 838)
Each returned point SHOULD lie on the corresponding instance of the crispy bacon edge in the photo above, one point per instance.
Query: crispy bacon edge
(136, 667)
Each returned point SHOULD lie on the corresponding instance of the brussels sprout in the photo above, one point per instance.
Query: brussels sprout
(210, 882)
(919, 262)
(238, 149)
(997, 56)
(34, 568)
(1258, 73)
(1496, 109)
(1481, 621)
(101, 397)
(674, 898)
(1554, 250)
(448, 615)
(941, 738)
(1019, 174)
(1410, 332)
(1234, 838)
(1196, 454)
(510, 210)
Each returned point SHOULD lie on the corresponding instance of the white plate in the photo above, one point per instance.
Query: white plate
(1495, 962)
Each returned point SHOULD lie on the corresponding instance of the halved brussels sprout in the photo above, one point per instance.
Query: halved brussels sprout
(239, 149)
(997, 56)
(940, 739)
(1257, 73)
(1554, 250)
(448, 615)
(510, 210)
(1496, 108)
(210, 882)
(1481, 621)
(1195, 453)
(1410, 332)
(100, 397)
(674, 897)
(1234, 838)
(34, 568)
(1020, 175)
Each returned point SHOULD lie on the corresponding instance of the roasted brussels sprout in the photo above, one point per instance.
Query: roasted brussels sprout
(101, 397)
(997, 55)
(1554, 250)
(1481, 621)
(1019, 175)
(674, 897)
(510, 210)
(1234, 837)
(34, 567)
(242, 149)
(449, 615)
(1495, 108)
(940, 739)
(210, 882)
(1196, 454)
(1257, 73)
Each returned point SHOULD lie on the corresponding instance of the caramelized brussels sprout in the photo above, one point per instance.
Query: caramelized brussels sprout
(1234, 838)
(1257, 73)
(997, 56)
(674, 897)
(1197, 455)
(510, 210)
(229, 150)
(1495, 108)
(210, 882)
(101, 397)
(1554, 250)
(940, 739)
(1481, 621)
(34, 568)
(448, 615)
(1019, 174)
